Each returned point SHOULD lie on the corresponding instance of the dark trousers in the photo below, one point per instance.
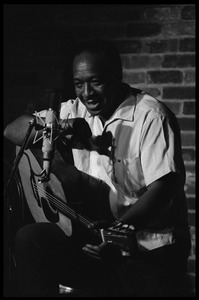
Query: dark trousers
(45, 257)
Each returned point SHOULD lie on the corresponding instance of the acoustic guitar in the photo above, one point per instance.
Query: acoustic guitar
(48, 203)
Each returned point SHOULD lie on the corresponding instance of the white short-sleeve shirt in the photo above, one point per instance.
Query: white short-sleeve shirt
(144, 146)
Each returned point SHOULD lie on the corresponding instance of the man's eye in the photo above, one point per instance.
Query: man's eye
(96, 82)
(78, 84)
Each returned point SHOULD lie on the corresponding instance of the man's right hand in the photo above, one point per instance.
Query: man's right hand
(75, 129)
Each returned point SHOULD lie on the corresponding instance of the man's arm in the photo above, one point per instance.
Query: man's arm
(153, 202)
(16, 131)
(150, 204)
(77, 128)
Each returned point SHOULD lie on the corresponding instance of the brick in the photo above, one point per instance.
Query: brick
(181, 61)
(188, 154)
(120, 13)
(193, 233)
(155, 92)
(143, 30)
(187, 45)
(161, 13)
(190, 170)
(191, 203)
(191, 219)
(187, 123)
(134, 77)
(189, 76)
(190, 187)
(164, 76)
(178, 29)
(188, 139)
(175, 12)
(141, 61)
(188, 12)
(160, 46)
(191, 265)
(133, 46)
(174, 106)
(189, 108)
(157, 13)
(185, 92)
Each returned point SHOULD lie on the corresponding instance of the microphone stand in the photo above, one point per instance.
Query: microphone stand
(9, 209)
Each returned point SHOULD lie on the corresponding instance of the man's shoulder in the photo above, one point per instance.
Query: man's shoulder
(151, 106)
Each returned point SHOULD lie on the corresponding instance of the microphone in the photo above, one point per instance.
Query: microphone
(50, 134)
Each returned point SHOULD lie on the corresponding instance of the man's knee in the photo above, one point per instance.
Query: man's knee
(23, 238)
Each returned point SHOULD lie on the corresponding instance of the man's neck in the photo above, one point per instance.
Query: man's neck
(119, 95)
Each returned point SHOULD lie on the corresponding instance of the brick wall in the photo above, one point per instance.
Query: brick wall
(157, 47)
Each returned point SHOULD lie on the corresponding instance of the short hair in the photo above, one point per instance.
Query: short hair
(102, 47)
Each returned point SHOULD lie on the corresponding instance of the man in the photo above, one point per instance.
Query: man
(128, 169)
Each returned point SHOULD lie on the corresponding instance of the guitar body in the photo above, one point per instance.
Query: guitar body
(48, 202)
(35, 192)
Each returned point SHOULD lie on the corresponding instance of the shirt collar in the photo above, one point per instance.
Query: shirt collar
(125, 111)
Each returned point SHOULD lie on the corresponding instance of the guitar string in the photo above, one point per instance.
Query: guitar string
(61, 206)
(106, 233)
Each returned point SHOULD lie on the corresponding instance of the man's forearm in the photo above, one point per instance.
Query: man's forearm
(150, 204)
(16, 131)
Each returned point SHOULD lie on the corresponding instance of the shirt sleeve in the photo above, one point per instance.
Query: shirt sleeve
(159, 149)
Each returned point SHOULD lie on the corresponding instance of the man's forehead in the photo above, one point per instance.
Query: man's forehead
(89, 61)
(92, 57)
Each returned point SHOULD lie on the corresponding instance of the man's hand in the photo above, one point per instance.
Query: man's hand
(77, 127)
(93, 251)
(104, 251)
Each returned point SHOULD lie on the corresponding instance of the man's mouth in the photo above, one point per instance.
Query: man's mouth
(92, 104)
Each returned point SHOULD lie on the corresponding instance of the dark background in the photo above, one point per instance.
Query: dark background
(157, 47)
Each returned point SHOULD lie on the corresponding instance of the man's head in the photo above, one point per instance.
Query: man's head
(97, 72)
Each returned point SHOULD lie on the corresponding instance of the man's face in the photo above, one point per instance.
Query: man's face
(92, 83)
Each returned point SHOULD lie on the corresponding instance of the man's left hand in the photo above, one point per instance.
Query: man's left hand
(103, 251)
(93, 251)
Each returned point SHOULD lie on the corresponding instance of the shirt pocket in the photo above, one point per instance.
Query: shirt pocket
(129, 177)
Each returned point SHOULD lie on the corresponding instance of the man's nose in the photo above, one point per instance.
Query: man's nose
(87, 90)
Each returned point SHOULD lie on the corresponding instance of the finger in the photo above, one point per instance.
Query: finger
(91, 253)
(93, 247)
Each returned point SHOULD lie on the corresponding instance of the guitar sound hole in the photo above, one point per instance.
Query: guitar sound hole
(49, 208)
